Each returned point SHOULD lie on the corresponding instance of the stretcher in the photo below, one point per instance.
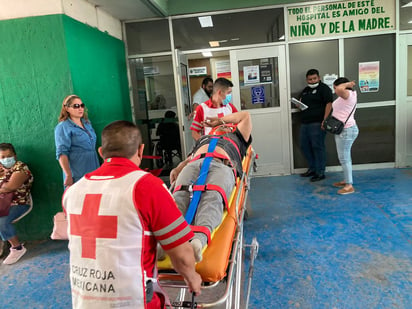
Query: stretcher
(221, 266)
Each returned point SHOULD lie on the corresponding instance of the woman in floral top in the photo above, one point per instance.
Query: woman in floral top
(15, 177)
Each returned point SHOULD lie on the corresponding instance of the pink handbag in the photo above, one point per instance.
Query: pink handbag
(60, 226)
(5, 203)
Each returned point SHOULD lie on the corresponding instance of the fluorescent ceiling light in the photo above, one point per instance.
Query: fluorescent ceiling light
(214, 43)
(207, 54)
(205, 21)
(410, 22)
(223, 41)
(407, 5)
(235, 39)
(282, 38)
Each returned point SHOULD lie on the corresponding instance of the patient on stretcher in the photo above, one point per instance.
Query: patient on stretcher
(204, 181)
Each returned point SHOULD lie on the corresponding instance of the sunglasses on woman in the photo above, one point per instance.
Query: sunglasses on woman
(76, 106)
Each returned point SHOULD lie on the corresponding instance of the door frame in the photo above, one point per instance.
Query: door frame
(268, 51)
(179, 58)
(403, 106)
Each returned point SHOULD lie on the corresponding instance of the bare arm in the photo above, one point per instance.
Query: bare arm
(64, 163)
(341, 90)
(176, 171)
(17, 179)
(195, 135)
(183, 260)
(242, 119)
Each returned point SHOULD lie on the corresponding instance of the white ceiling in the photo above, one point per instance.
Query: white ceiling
(126, 9)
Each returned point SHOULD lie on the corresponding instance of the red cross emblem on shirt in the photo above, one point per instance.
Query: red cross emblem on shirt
(90, 226)
(220, 115)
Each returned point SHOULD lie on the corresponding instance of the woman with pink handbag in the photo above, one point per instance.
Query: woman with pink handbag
(16, 180)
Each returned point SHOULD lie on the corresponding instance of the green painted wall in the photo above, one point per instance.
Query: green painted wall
(42, 60)
(34, 77)
(177, 7)
(98, 70)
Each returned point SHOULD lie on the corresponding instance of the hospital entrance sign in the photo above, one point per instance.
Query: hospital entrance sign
(340, 18)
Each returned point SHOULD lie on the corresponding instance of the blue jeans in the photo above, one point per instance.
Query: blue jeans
(312, 143)
(7, 229)
(344, 142)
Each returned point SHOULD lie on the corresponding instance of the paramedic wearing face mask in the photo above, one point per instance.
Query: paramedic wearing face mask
(217, 106)
(15, 177)
(318, 97)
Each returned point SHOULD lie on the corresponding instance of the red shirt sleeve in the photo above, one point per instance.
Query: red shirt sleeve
(160, 213)
(197, 120)
(234, 110)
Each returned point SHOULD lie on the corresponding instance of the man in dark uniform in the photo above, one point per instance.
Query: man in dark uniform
(318, 97)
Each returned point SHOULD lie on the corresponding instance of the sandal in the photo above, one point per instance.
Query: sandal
(339, 184)
(344, 191)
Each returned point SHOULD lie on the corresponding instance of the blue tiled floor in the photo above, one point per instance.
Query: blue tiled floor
(322, 250)
(317, 249)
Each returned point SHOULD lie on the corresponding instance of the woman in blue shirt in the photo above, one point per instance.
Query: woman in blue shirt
(75, 141)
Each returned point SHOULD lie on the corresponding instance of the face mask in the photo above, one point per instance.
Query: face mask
(313, 85)
(227, 99)
(8, 162)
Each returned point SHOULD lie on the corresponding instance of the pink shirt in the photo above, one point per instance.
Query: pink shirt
(342, 109)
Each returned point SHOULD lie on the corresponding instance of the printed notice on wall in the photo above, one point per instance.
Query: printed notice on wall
(265, 73)
(258, 94)
(340, 18)
(328, 79)
(369, 76)
(251, 74)
(223, 69)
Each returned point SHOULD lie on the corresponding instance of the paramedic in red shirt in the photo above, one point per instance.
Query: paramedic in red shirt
(216, 107)
(117, 214)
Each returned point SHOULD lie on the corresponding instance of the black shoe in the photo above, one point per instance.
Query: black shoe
(317, 178)
(308, 173)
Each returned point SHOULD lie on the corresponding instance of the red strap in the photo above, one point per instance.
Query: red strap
(177, 189)
(210, 154)
(151, 157)
(234, 144)
(208, 187)
(202, 229)
(221, 191)
(215, 155)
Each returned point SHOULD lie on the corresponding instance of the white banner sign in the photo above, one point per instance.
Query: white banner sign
(198, 71)
(339, 18)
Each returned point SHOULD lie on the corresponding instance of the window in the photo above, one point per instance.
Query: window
(231, 29)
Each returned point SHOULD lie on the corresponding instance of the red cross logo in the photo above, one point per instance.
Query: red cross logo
(220, 115)
(90, 226)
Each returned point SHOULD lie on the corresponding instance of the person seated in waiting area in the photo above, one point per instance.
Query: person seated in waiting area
(168, 132)
(226, 164)
(15, 177)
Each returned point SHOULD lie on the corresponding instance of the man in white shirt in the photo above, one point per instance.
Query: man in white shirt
(203, 94)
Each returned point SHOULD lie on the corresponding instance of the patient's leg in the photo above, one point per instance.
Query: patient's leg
(210, 210)
(187, 176)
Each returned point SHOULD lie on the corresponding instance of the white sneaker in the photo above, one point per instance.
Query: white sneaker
(1, 247)
(14, 255)
(197, 249)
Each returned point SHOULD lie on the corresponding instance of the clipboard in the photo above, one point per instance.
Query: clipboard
(298, 104)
